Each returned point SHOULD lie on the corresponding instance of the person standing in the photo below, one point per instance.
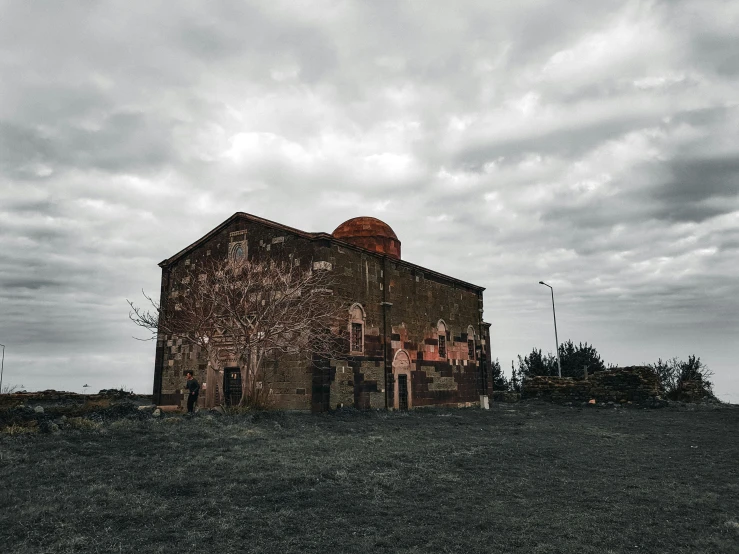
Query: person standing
(193, 389)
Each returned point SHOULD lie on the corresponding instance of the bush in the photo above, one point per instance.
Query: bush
(677, 377)
(573, 357)
(16, 429)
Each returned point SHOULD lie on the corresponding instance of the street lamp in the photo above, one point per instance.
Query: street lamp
(556, 340)
(2, 367)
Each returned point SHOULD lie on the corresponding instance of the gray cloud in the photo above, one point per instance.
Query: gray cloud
(591, 147)
(698, 179)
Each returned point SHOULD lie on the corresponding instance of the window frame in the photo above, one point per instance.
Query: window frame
(357, 316)
(441, 338)
(471, 344)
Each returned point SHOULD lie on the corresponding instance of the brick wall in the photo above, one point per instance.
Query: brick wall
(414, 302)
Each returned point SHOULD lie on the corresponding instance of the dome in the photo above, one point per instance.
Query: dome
(369, 233)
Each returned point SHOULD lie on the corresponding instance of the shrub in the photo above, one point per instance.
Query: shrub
(675, 375)
(82, 423)
(16, 429)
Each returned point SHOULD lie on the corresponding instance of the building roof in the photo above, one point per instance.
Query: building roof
(380, 227)
(371, 234)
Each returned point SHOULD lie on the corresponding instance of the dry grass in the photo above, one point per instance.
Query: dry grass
(529, 478)
(16, 429)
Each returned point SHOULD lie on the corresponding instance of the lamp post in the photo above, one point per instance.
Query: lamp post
(556, 340)
(2, 367)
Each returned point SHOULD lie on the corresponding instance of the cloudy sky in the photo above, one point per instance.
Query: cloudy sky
(591, 145)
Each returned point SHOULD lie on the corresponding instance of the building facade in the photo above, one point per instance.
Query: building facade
(415, 337)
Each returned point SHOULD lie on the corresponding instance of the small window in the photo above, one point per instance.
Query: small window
(356, 337)
(356, 329)
(441, 331)
(237, 251)
(442, 346)
(471, 346)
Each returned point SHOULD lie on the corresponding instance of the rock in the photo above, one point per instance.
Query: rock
(39, 409)
(157, 412)
(149, 408)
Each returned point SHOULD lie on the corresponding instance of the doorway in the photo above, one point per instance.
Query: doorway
(232, 386)
(402, 392)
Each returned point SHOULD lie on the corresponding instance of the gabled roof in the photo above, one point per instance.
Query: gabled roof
(309, 236)
(249, 217)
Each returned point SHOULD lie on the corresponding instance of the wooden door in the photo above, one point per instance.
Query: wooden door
(402, 392)
(232, 385)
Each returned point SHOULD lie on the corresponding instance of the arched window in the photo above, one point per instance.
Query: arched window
(356, 329)
(237, 248)
(471, 342)
(441, 331)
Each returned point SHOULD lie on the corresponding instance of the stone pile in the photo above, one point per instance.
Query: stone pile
(692, 391)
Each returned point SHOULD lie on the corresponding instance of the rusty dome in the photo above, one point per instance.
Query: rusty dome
(369, 233)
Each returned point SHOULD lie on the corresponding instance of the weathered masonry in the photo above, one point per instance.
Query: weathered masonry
(416, 337)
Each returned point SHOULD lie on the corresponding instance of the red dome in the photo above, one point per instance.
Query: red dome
(369, 233)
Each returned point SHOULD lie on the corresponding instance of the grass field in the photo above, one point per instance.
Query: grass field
(528, 477)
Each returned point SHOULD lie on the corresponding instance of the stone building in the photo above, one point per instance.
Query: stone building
(416, 336)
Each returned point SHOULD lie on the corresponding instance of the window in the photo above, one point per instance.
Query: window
(470, 343)
(441, 331)
(237, 251)
(356, 329)
(442, 346)
(237, 247)
(356, 337)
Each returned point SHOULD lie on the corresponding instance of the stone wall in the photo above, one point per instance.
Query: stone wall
(628, 384)
(289, 380)
(402, 304)
(692, 391)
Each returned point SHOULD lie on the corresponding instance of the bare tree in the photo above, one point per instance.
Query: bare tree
(240, 312)
(673, 373)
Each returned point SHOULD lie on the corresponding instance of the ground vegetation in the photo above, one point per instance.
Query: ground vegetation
(521, 478)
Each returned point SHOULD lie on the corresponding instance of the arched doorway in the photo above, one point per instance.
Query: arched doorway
(402, 397)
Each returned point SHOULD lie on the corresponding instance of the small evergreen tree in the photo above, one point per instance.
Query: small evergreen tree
(499, 379)
(575, 358)
(515, 383)
(536, 364)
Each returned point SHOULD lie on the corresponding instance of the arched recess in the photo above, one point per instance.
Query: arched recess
(357, 318)
(471, 342)
(402, 393)
(441, 331)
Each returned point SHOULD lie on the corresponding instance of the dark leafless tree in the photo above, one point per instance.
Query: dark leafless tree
(241, 312)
